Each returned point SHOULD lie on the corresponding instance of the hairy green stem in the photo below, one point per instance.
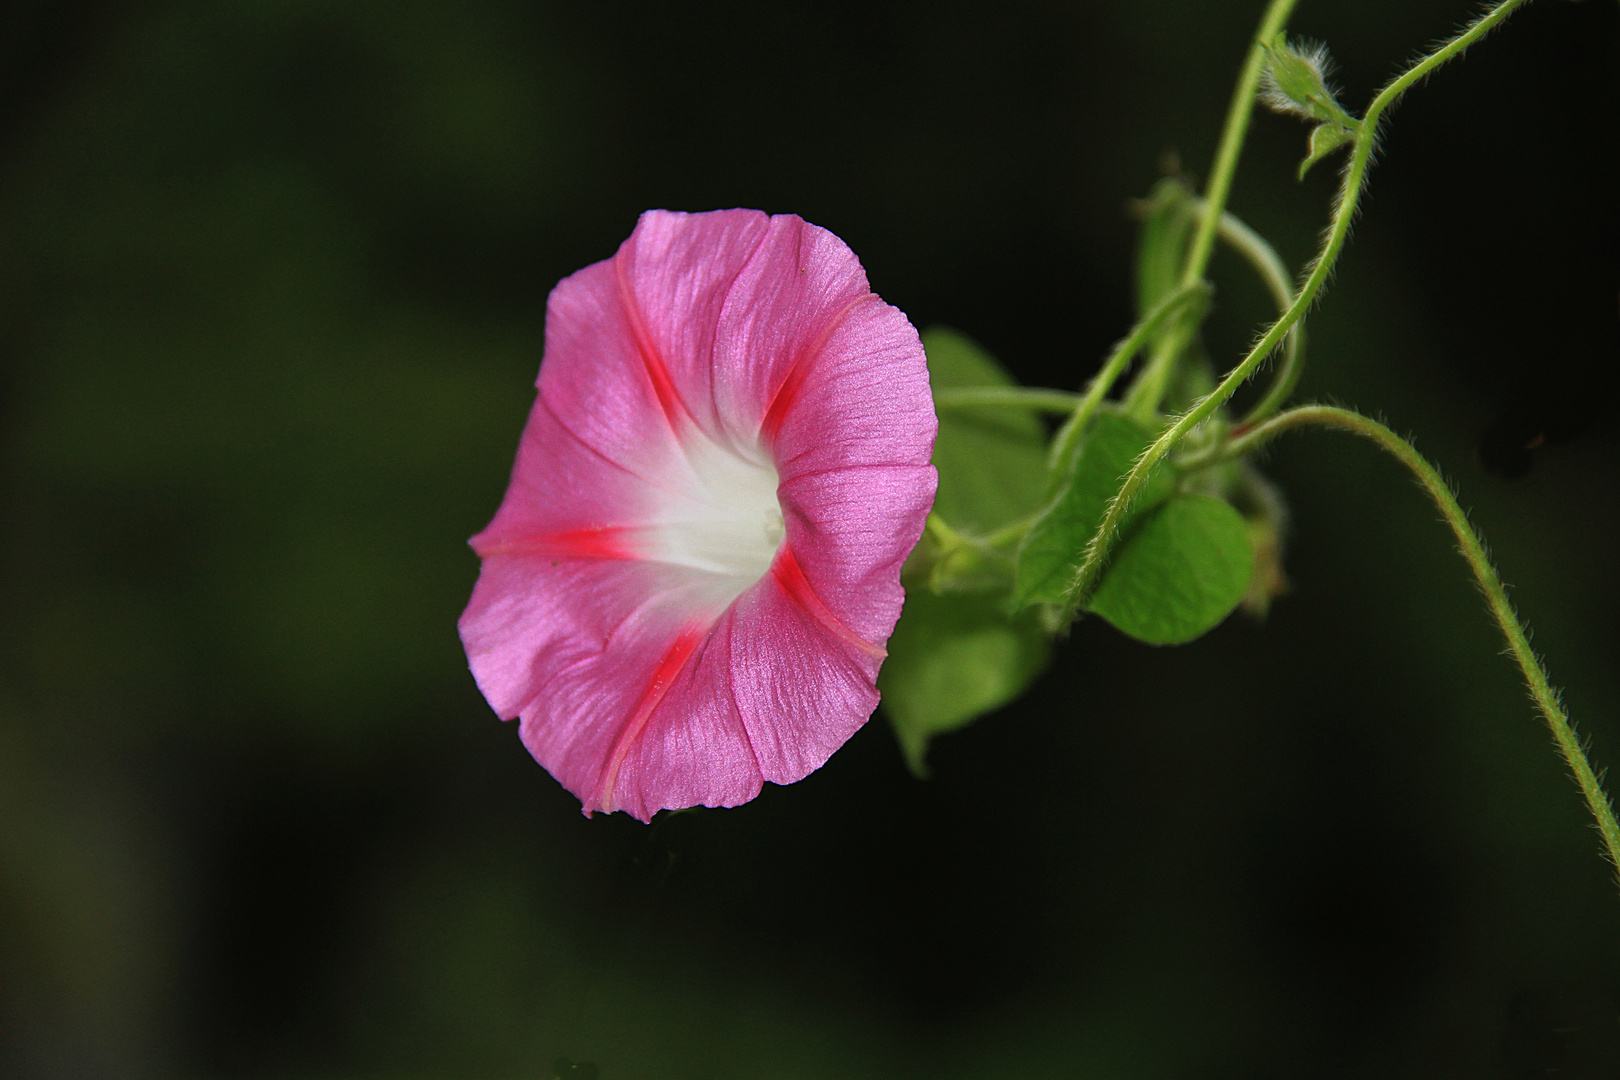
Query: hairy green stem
(1068, 435)
(1142, 402)
(1232, 139)
(1260, 255)
(1086, 576)
(1472, 549)
(1025, 397)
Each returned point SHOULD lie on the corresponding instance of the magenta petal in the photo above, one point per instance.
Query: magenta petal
(530, 619)
(851, 529)
(676, 274)
(596, 377)
(862, 399)
(801, 689)
(597, 658)
(580, 655)
(795, 293)
(560, 488)
(694, 751)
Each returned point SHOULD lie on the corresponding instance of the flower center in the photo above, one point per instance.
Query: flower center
(718, 512)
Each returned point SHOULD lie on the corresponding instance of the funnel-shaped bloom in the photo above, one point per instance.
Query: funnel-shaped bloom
(689, 585)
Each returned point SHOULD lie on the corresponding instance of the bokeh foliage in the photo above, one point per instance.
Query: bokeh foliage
(272, 281)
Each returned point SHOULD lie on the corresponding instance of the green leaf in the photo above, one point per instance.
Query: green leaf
(991, 461)
(1052, 549)
(1181, 573)
(1161, 245)
(951, 660)
(1325, 138)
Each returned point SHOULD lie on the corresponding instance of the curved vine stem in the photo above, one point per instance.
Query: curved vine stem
(1260, 255)
(1266, 263)
(1233, 134)
(1149, 388)
(1068, 435)
(1472, 549)
(1086, 575)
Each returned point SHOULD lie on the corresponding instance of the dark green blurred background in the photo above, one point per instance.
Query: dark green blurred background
(272, 286)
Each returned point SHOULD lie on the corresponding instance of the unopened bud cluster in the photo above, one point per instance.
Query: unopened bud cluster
(1294, 81)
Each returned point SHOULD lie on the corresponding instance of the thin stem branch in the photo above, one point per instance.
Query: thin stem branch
(1086, 576)
(1265, 262)
(942, 532)
(1024, 397)
(1473, 550)
(1142, 401)
(1232, 138)
(1263, 258)
(1069, 434)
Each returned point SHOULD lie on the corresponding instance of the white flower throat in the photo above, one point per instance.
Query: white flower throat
(717, 511)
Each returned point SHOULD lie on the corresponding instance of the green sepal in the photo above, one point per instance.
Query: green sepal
(1183, 571)
(991, 461)
(1052, 550)
(952, 659)
(946, 561)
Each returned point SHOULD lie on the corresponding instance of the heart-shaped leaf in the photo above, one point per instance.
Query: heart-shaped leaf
(1052, 549)
(1179, 574)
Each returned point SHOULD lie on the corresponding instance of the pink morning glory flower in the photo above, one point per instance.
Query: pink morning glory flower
(688, 587)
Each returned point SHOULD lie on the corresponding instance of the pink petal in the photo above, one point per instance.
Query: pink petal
(602, 661)
(851, 529)
(693, 750)
(795, 293)
(675, 275)
(560, 490)
(862, 399)
(597, 379)
(774, 688)
(801, 687)
(530, 619)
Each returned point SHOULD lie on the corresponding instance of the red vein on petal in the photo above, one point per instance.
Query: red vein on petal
(605, 542)
(664, 675)
(787, 393)
(663, 386)
(790, 575)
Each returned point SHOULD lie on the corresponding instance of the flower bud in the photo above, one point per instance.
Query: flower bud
(1294, 81)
